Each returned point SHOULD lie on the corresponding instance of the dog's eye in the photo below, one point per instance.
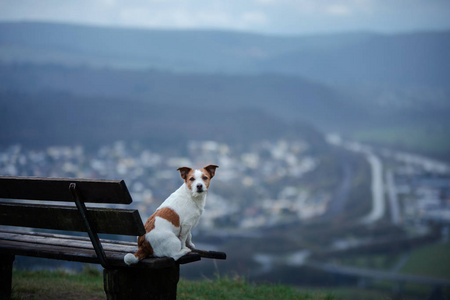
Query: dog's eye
(192, 179)
(205, 178)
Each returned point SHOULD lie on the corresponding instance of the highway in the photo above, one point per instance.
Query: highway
(377, 185)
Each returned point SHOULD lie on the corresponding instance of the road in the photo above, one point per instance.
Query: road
(377, 185)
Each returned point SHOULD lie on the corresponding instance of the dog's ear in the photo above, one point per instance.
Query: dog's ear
(211, 169)
(184, 171)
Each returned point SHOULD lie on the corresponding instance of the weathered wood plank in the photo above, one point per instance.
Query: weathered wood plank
(57, 189)
(56, 252)
(71, 248)
(67, 241)
(211, 254)
(104, 220)
(84, 242)
(114, 259)
(61, 236)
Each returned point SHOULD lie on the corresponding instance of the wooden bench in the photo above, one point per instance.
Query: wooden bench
(152, 278)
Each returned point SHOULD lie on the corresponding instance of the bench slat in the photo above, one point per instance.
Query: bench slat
(67, 240)
(115, 259)
(57, 189)
(18, 231)
(210, 254)
(104, 220)
(84, 242)
(64, 247)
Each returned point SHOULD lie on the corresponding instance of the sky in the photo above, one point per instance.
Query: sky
(280, 17)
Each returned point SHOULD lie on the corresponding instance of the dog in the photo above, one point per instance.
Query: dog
(168, 230)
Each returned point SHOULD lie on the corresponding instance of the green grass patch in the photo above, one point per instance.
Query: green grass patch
(433, 141)
(88, 284)
(431, 260)
(58, 284)
(225, 288)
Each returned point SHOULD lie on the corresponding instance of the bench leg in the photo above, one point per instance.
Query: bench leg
(136, 283)
(6, 265)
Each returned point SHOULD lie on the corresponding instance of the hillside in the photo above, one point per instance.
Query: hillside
(385, 89)
(71, 105)
(421, 59)
(402, 59)
(153, 105)
(45, 119)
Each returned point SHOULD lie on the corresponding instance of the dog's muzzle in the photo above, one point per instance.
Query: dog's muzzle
(199, 188)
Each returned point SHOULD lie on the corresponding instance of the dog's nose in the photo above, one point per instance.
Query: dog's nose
(199, 187)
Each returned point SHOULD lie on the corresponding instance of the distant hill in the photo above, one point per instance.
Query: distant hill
(379, 88)
(421, 59)
(289, 98)
(405, 59)
(51, 118)
(39, 103)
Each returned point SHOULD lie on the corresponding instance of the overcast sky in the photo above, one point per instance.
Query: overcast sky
(263, 16)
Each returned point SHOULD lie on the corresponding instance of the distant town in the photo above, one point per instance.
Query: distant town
(409, 188)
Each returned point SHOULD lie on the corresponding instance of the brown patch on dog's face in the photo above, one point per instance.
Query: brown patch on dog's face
(184, 171)
(191, 179)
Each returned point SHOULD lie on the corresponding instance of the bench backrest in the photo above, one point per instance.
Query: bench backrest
(59, 217)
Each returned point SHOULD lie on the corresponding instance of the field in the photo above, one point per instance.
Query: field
(88, 284)
(431, 140)
(431, 260)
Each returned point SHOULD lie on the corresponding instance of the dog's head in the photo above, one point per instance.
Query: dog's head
(198, 180)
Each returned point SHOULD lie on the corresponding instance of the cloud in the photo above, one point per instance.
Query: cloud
(267, 16)
(337, 10)
(188, 16)
(254, 17)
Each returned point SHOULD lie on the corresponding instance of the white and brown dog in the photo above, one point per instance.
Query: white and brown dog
(169, 228)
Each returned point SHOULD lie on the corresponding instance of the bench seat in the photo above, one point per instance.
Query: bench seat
(80, 249)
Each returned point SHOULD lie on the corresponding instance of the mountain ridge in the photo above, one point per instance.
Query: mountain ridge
(346, 83)
(371, 57)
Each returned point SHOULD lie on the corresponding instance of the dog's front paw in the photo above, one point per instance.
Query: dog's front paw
(191, 246)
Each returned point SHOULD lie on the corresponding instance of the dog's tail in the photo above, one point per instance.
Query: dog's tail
(131, 259)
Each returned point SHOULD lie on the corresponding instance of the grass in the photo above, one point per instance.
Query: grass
(431, 260)
(58, 284)
(88, 284)
(226, 288)
(422, 139)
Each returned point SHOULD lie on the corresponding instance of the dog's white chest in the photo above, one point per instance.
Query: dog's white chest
(189, 219)
(188, 209)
